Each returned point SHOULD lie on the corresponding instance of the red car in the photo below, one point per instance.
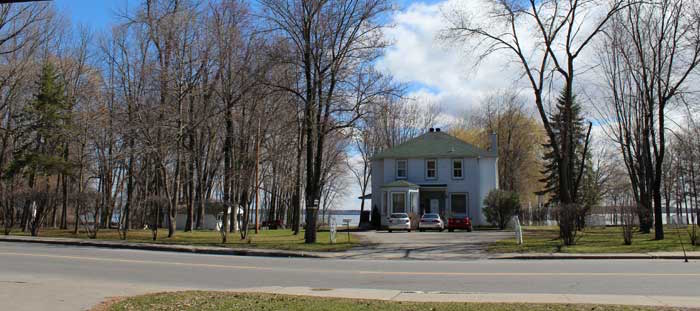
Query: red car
(459, 223)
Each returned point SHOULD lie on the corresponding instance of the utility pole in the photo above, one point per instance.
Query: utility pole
(257, 191)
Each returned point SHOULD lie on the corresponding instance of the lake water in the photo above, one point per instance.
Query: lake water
(354, 218)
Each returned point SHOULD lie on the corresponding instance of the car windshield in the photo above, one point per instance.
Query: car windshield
(399, 215)
(431, 216)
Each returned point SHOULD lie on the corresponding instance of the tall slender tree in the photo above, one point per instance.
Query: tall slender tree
(563, 32)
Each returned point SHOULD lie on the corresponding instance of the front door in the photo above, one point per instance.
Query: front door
(434, 206)
(432, 202)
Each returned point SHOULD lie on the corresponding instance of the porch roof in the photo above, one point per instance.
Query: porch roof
(433, 186)
(400, 184)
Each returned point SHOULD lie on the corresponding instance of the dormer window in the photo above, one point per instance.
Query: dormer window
(401, 169)
(457, 170)
(430, 169)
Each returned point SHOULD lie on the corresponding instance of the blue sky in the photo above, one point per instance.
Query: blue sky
(99, 13)
(96, 13)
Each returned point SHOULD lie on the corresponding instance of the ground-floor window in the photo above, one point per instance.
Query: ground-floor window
(459, 203)
(398, 202)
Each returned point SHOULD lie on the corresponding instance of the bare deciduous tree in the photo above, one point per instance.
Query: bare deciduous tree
(649, 54)
(547, 57)
(333, 44)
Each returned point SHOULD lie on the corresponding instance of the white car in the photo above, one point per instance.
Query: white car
(431, 221)
(399, 221)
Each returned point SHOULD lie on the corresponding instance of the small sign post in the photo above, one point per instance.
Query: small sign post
(347, 226)
(518, 230)
(333, 230)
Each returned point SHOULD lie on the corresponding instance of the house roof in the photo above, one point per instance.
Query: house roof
(434, 145)
(400, 184)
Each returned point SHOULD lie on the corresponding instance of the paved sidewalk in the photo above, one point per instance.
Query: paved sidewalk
(373, 251)
(419, 296)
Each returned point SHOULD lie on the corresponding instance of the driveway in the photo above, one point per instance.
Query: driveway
(429, 245)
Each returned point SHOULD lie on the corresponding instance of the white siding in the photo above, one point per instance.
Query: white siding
(480, 175)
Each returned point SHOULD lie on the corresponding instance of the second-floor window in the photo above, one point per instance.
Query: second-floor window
(457, 169)
(431, 169)
(401, 169)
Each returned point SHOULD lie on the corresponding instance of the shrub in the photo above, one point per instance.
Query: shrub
(500, 206)
(628, 216)
(568, 216)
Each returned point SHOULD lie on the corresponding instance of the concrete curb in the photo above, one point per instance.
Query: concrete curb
(212, 250)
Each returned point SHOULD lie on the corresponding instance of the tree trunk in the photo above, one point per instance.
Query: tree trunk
(228, 173)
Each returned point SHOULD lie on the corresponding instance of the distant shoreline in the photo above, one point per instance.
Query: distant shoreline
(340, 212)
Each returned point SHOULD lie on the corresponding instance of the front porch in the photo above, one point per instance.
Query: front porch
(433, 199)
(415, 200)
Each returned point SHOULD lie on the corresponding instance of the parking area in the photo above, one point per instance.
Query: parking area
(430, 245)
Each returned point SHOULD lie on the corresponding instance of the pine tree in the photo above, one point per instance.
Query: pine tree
(43, 124)
(42, 131)
(578, 138)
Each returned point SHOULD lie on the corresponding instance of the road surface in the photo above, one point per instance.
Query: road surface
(459, 245)
(41, 277)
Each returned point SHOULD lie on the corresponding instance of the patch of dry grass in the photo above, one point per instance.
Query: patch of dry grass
(593, 240)
(215, 301)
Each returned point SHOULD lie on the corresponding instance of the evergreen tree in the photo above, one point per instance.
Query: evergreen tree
(41, 135)
(590, 191)
(42, 129)
(577, 143)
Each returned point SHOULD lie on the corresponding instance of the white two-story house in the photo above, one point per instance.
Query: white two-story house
(434, 173)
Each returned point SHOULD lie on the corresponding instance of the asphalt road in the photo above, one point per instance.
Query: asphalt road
(459, 245)
(40, 277)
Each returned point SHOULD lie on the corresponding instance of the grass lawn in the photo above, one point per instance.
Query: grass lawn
(210, 301)
(268, 239)
(592, 240)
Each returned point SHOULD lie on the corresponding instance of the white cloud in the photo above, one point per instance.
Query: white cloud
(445, 74)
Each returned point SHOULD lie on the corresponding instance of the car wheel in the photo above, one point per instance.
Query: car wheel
(390, 230)
(469, 230)
(409, 230)
(451, 230)
(421, 230)
(441, 230)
